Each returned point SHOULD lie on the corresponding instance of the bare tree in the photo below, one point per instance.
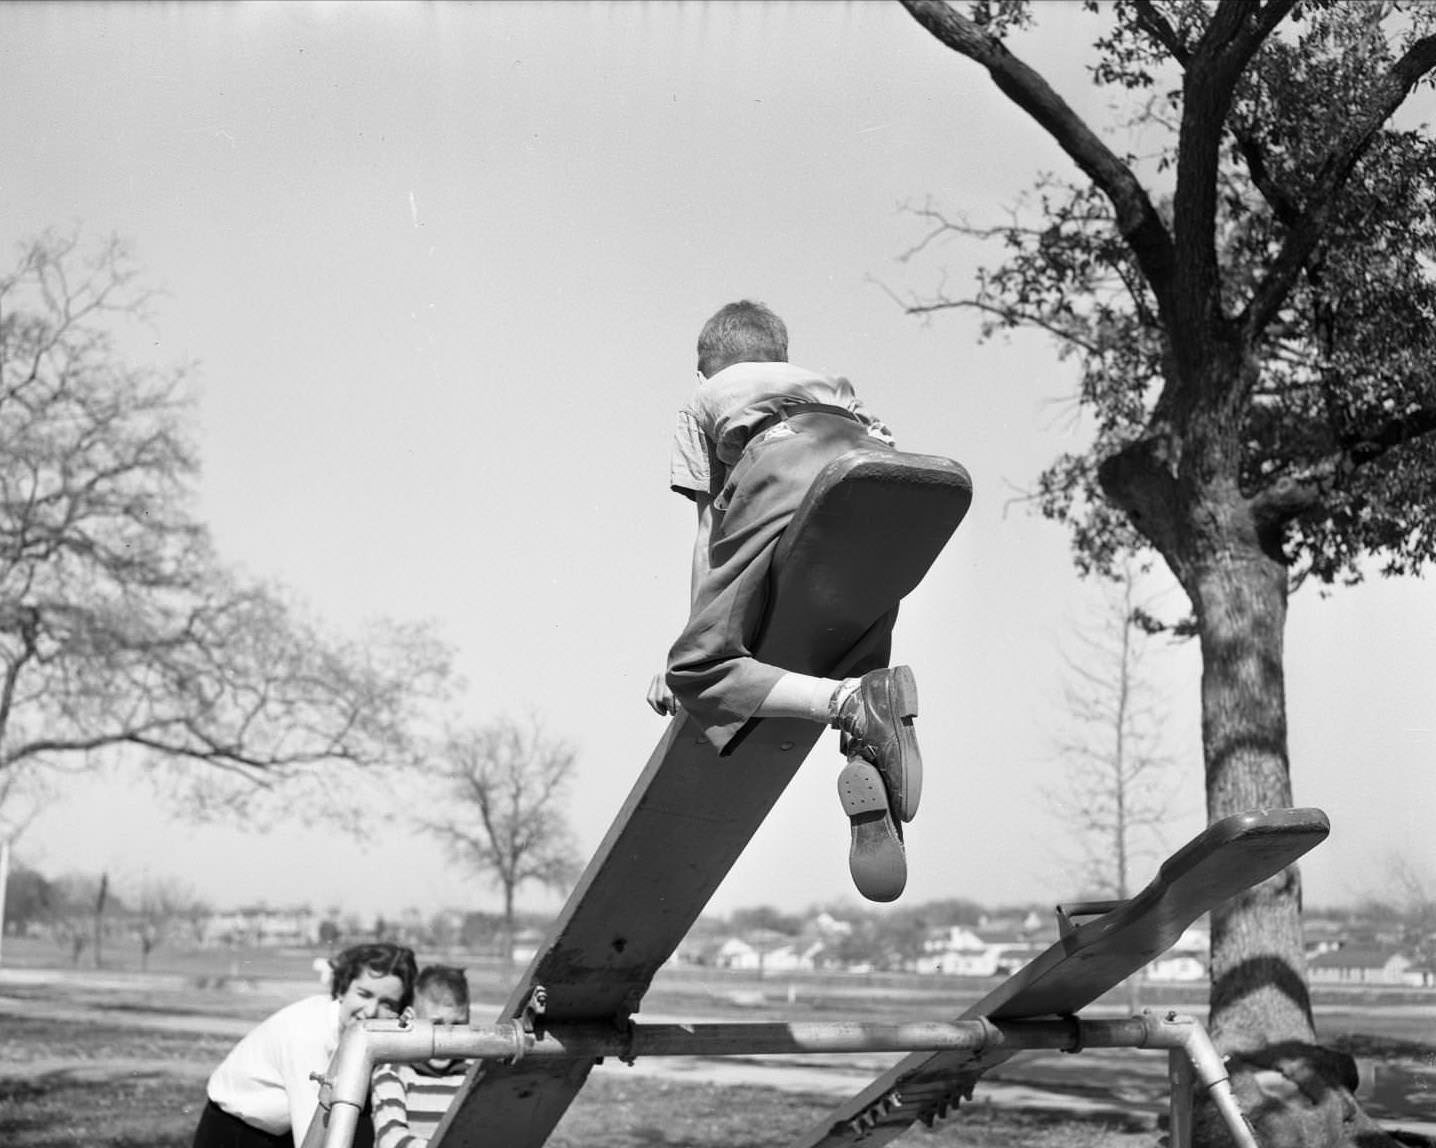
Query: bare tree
(22, 795)
(1118, 787)
(505, 785)
(1406, 899)
(1419, 907)
(119, 628)
(163, 908)
(1118, 782)
(71, 916)
(1250, 305)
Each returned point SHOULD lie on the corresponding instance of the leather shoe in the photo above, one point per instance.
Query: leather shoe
(876, 858)
(876, 721)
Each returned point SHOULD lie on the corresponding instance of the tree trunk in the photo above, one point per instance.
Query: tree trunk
(508, 938)
(1294, 1092)
(100, 899)
(1259, 989)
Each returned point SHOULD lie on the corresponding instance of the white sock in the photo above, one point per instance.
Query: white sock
(800, 696)
(846, 689)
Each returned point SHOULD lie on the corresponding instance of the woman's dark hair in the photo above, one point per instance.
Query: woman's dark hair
(380, 959)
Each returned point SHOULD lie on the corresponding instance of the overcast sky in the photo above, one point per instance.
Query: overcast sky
(442, 267)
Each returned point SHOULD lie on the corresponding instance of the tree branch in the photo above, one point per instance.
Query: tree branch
(1235, 33)
(28, 627)
(1007, 315)
(1155, 25)
(1389, 93)
(1284, 206)
(1291, 496)
(1136, 217)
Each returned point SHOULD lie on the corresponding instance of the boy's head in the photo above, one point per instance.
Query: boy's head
(441, 994)
(373, 981)
(742, 332)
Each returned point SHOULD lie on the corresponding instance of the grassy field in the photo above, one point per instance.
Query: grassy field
(118, 1059)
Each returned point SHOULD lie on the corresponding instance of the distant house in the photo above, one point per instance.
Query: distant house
(1175, 966)
(1184, 961)
(1000, 948)
(983, 952)
(261, 925)
(1363, 964)
(956, 951)
(700, 947)
(769, 952)
(1323, 934)
(828, 926)
(1422, 975)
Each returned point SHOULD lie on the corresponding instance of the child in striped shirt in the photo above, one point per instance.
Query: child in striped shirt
(409, 1100)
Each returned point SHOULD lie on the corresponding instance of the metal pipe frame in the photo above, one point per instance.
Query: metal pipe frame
(346, 1088)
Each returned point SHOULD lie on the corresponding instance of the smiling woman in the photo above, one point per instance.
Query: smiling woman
(262, 1095)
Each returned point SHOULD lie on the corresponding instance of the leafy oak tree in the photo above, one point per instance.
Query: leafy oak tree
(1252, 310)
(120, 629)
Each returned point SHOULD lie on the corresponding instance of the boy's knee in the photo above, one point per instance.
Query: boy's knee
(686, 687)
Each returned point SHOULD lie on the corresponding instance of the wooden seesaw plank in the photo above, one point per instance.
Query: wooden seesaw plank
(866, 533)
(1225, 859)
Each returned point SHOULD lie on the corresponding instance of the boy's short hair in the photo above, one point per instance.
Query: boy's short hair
(381, 959)
(741, 332)
(443, 985)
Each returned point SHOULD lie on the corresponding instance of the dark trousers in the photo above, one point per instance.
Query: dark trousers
(711, 668)
(218, 1129)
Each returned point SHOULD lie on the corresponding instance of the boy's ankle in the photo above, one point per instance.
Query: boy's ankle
(846, 691)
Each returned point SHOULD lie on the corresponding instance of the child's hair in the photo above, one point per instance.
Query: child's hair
(381, 959)
(742, 332)
(443, 985)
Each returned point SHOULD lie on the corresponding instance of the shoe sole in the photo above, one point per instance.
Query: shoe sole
(902, 697)
(876, 857)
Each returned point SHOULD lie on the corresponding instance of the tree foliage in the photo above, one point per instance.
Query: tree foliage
(119, 626)
(1305, 249)
(766, 918)
(29, 898)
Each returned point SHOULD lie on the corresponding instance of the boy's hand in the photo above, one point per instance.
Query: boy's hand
(660, 697)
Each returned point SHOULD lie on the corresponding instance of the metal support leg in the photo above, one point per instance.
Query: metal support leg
(1211, 1071)
(1180, 1080)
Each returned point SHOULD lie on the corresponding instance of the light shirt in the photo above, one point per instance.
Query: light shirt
(715, 426)
(265, 1078)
